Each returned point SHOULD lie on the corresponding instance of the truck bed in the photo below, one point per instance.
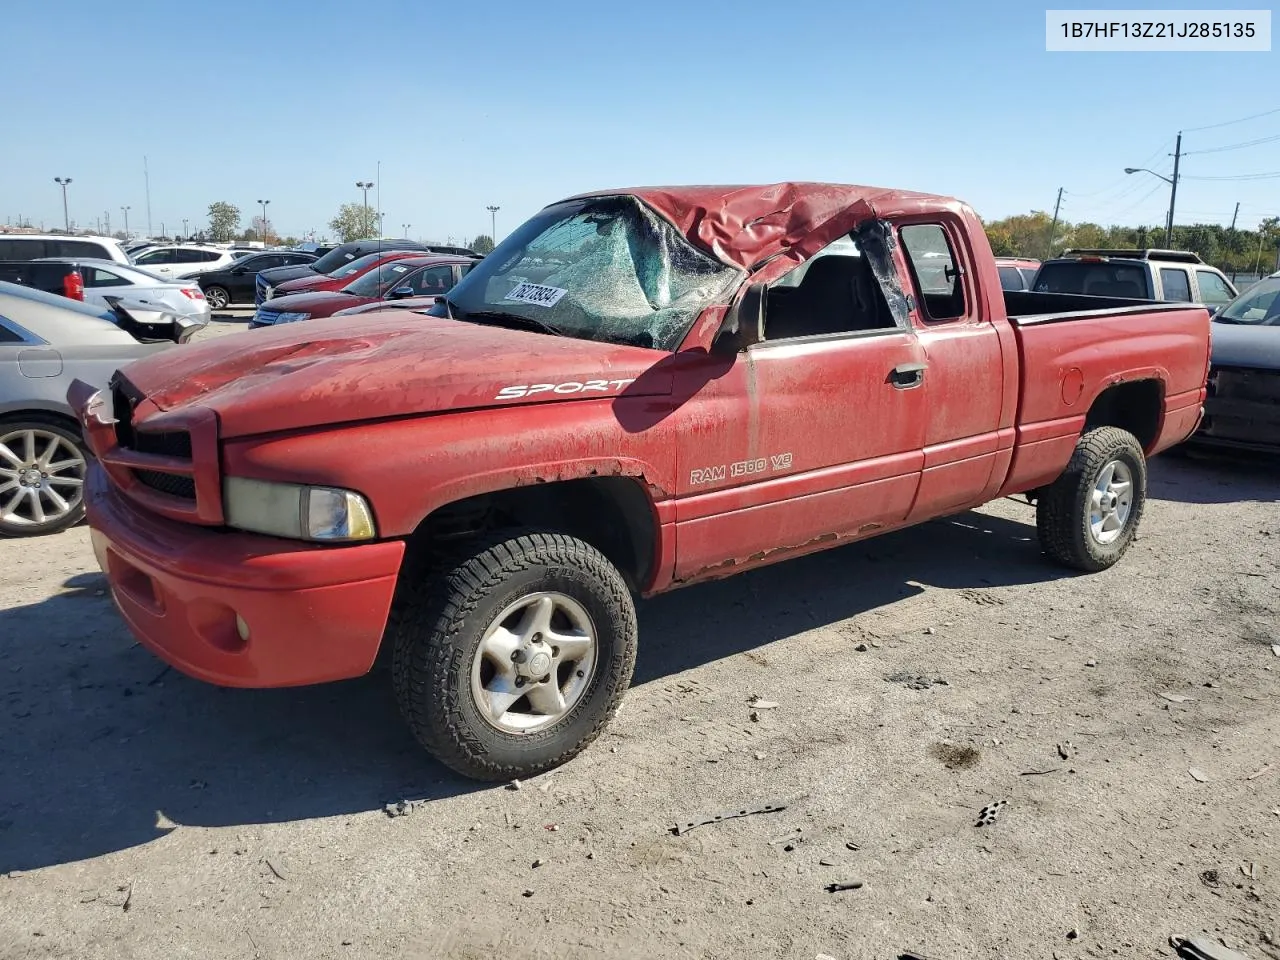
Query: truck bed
(1073, 348)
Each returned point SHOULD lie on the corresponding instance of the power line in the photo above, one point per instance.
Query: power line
(1269, 175)
(1125, 179)
(1233, 146)
(1227, 123)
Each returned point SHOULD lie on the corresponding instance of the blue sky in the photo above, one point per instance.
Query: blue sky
(294, 102)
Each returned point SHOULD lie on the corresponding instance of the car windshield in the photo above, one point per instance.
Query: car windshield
(1260, 305)
(137, 274)
(378, 281)
(335, 258)
(605, 268)
(355, 266)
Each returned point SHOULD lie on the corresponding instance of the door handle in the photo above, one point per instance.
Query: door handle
(907, 375)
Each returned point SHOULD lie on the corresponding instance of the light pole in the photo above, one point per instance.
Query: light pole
(382, 230)
(493, 223)
(185, 235)
(106, 216)
(1168, 222)
(265, 231)
(405, 227)
(125, 211)
(1173, 187)
(366, 186)
(62, 182)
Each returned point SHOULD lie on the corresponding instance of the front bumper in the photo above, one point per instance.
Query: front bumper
(313, 613)
(1242, 410)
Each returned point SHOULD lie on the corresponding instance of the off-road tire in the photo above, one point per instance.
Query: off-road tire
(1062, 513)
(437, 624)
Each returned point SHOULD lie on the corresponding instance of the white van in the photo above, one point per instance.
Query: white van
(37, 246)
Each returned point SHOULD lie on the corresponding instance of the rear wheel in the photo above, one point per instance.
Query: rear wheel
(514, 655)
(1087, 518)
(42, 469)
(218, 297)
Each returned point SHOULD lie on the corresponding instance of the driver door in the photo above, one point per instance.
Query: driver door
(812, 435)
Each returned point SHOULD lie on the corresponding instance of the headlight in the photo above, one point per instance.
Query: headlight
(288, 317)
(296, 511)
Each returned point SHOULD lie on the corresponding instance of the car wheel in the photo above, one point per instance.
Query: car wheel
(1087, 518)
(42, 469)
(514, 655)
(218, 298)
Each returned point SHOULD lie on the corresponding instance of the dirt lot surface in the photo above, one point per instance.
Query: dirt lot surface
(1128, 718)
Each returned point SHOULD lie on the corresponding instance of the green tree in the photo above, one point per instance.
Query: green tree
(482, 244)
(289, 241)
(224, 220)
(354, 221)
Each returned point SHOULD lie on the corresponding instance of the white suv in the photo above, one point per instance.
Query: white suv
(38, 246)
(182, 260)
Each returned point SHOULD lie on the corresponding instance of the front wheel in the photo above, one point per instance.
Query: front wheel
(1087, 518)
(512, 658)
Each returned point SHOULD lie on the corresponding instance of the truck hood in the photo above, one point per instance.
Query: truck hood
(312, 281)
(393, 365)
(1246, 345)
(278, 275)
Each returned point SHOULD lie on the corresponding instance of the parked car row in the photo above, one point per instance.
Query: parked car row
(371, 279)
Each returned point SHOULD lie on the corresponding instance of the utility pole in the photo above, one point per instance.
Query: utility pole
(1053, 227)
(1173, 192)
(493, 223)
(1231, 233)
(146, 175)
(106, 216)
(62, 182)
(125, 211)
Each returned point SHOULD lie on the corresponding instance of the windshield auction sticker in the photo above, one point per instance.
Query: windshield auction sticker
(537, 294)
(1171, 31)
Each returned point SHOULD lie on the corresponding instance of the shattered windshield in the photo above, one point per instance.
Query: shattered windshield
(597, 269)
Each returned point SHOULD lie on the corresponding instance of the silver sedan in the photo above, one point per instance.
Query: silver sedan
(105, 278)
(46, 342)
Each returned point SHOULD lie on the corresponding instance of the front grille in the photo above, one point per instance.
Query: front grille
(173, 444)
(266, 317)
(1243, 406)
(170, 483)
(259, 291)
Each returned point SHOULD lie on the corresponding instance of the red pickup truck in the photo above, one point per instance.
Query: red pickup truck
(637, 390)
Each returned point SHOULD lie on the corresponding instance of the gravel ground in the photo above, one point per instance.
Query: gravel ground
(1128, 718)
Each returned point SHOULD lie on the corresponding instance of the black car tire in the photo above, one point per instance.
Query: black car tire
(219, 297)
(438, 626)
(66, 446)
(1072, 511)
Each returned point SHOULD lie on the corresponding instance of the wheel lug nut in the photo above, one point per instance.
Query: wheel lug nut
(546, 679)
(582, 673)
(555, 651)
(519, 681)
(537, 638)
(518, 656)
